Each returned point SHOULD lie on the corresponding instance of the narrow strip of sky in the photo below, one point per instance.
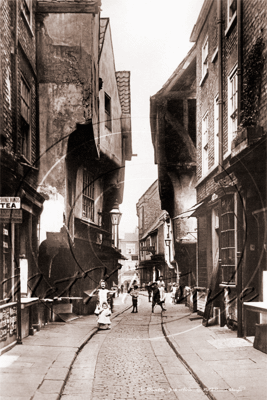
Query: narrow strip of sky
(150, 38)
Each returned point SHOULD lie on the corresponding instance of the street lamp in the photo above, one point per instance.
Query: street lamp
(115, 215)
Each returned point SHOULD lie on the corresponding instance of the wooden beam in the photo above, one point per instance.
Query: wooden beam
(67, 8)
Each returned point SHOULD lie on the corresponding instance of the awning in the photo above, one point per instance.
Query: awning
(107, 252)
(93, 226)
(189, 213)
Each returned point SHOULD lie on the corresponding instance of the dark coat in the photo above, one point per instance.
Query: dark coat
(156, 295)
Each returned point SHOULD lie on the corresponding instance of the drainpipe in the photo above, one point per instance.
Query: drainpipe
(220, 77)
(239, 77)
(16, 71)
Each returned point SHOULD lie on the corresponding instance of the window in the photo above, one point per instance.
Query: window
(216, 130)
(228, 240)
(232, 107)
(205, 150)
(231, 10)
(205, 51)
(88, 195)
(27, 10)
(25, 111)
(130, 248)
(108, 112)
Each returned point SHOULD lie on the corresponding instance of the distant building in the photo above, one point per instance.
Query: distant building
(156, 246)
(129, 246)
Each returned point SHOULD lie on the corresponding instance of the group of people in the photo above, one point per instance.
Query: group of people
(103, 310)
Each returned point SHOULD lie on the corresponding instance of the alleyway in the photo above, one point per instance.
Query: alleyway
(132, 361)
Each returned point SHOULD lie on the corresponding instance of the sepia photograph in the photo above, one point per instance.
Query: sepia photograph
(133, 180)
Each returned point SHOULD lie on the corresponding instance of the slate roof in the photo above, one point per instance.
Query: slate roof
(123, 83)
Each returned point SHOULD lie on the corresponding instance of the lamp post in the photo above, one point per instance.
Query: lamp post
(115, 215)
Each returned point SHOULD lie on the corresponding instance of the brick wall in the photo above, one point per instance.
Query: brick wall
(27, 69)
(254, 25)
(150, 201)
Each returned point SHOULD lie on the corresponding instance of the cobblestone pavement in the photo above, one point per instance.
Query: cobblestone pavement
(127, 367)
(132, 361)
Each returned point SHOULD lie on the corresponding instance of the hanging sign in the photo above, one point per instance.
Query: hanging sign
(9, 203)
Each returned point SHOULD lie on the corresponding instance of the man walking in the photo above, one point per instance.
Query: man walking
(156, 297)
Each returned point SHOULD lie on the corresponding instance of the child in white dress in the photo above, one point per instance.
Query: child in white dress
(103, 318)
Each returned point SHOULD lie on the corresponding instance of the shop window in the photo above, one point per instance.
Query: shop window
(108, 112)
(205, 149)
(232, 106)
(88, 195)
(228, 245)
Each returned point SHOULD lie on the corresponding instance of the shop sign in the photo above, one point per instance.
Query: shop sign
(10, 203)
(8, 216)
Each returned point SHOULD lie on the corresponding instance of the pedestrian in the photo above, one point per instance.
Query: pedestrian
(156, 297)
(104, 317)
(173, 293)
(162, 294)
(102, 296)
(121, 289)
(149, 290)
(161, 282)
(134, 293)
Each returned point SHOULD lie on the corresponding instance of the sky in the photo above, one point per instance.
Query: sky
(150, 38)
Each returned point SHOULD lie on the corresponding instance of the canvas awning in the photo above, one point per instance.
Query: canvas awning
(189, 213)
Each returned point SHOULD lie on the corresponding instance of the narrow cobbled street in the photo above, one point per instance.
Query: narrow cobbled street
(131, 361)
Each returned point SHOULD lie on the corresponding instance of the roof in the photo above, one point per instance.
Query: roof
(179, 72)
(123, 83)
(201, 20)
(102, 31)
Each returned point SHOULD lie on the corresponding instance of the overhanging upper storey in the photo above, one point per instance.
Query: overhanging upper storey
(84, 7)
(173, 117)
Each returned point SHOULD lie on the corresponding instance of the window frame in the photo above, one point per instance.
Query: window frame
(25, 112)
(204, 58)
(230, 13)
(226, 231)
(26, 7)
(88, 197)
(205, 144)
(232, 105)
